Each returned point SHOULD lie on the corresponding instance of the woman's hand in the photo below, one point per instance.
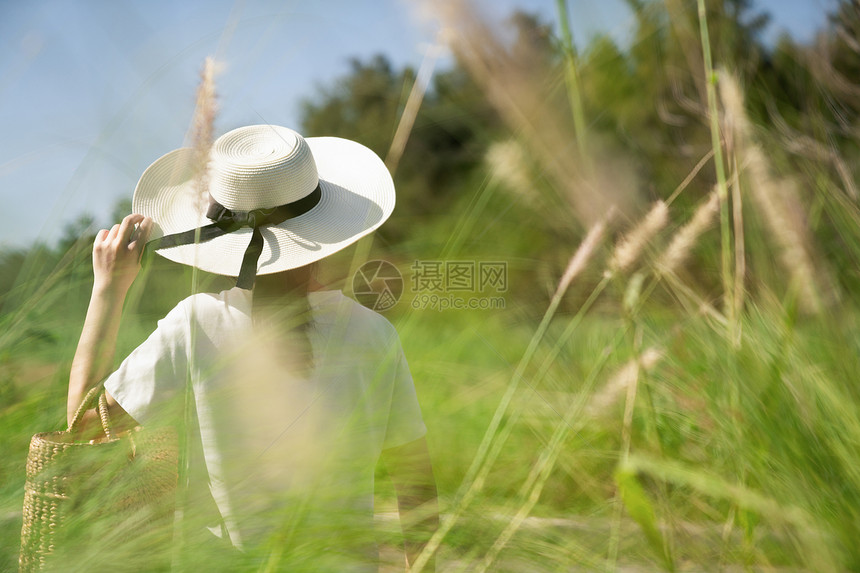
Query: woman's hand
(117, 252)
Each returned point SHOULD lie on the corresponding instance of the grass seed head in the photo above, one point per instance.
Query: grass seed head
(732, 98)
(631, 246)
(203, 128)
(777, 200)
(785, 218)
(508, 166)
(582, 255)
(604, 398)
(685, 239)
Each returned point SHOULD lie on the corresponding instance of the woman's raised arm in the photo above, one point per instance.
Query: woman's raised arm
(116, 262)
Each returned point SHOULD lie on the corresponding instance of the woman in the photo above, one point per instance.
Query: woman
(297, 391)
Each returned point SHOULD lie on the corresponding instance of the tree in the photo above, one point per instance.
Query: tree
(445, 142)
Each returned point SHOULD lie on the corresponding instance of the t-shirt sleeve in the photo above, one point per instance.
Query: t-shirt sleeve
(155, 371)
(404, 417)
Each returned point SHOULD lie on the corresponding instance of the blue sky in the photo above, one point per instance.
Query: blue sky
(91, 92)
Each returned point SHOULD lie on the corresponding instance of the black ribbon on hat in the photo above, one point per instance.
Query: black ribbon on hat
(227, 221)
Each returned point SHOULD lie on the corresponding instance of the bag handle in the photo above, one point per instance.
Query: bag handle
(95, 398)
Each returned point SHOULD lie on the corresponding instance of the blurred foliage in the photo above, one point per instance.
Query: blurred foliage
(646, 112)
(444, 146)
(729, 451)
(645, 106)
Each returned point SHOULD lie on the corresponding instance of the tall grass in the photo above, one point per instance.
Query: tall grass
(699, 449)
(684, 398)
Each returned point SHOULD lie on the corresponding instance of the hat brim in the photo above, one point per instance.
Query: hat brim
(357, 196)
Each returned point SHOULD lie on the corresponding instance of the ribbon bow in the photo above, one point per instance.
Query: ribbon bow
(227, 221)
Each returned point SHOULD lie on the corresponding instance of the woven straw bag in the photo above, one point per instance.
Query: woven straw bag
(85, 499)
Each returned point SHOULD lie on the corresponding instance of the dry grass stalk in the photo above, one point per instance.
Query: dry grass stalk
(688, 37)
(515, 83)
(733, 123)
(684, 240)
(778, 201)
(631, 246)
(617, 386)
(819, 62)
(694, 304)
(410, 112)
(740, 244)
(801, 144)
(690, 176)
(203, 129)
(786, 220)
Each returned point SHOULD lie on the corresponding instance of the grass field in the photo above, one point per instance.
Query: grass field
(670, 384)
(697, 455)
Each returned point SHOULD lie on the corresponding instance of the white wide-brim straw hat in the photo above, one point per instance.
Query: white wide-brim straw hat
(261, 167)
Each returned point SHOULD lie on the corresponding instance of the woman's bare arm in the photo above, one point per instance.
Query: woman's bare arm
(410, 470)
(116, 262)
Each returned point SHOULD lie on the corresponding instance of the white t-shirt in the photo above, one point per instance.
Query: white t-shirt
(282, 449)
